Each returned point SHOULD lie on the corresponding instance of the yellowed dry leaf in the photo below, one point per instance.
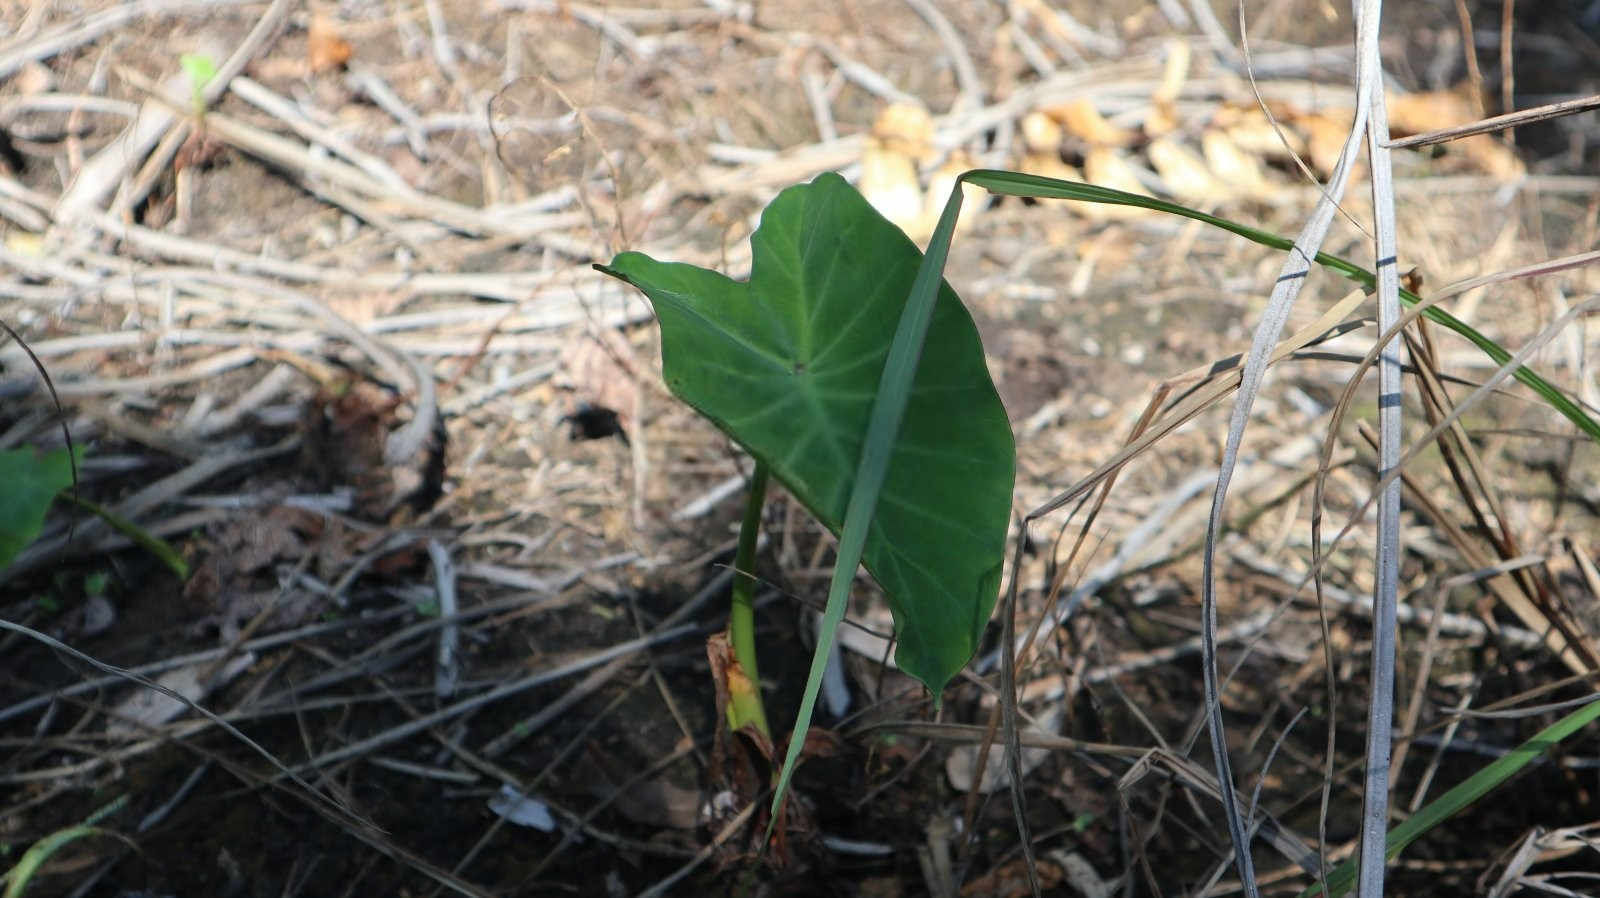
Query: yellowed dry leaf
(1494, 157)
(939, 187)
(33, 78)
(1174, 72)
(1041, 133)
(325, 49)
(1163, 116)
(1251, 131)
(1325, 133)
(25, 243)
(362, 308)
(1325, 130)
(1083, 121)
(1429, 111)
(1184, 172)
(889, 182)
(280, 68)
(1241, 171)
(601, 370)
(906, 129)
(1436, 110)
(1048, 165)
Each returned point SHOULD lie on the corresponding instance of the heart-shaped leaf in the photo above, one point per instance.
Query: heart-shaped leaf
(788, 365)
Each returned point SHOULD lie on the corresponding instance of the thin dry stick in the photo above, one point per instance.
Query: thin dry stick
(1459, 449)
(158, 667)
(1419, 685)
(617, 792)
(727, 832)
(265, 29)
(1559, 634)
(1454, 723)
(1451, 624)
(419, 724)
(1391, 362)
(966, 73)
(1469, 50)
(83, 31)
(1503, 372)
(560, 758)
(527, 726)
(1507, 75)
(342, 812)
(1499, 122)
(283, 110)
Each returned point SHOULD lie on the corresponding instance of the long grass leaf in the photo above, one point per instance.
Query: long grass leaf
(1463, 794)
(888, 411)
(1039, 187)
(35, 856)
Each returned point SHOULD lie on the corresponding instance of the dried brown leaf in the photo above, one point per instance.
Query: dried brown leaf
(325, 48)
(1083, 120)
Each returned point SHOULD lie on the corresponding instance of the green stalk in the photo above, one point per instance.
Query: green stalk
(745, 706)
(151, 543)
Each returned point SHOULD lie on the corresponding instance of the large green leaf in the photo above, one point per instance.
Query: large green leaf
(29, 482)
(789, 363)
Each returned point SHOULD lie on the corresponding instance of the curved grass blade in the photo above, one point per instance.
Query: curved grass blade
(888, 410)
(1039, 187)
(18, 877)
(41, 851)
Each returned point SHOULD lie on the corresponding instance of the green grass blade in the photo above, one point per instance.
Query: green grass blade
(1465, 793)
(40, 852)
(888, 410)
(1038, 187)
(18, 877)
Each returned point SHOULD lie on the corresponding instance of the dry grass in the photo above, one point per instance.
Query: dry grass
(334, 336)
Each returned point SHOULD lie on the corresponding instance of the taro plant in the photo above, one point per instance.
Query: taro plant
(789, 364)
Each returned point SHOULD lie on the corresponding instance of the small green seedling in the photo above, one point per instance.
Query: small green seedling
(17, 879)
(201, 71)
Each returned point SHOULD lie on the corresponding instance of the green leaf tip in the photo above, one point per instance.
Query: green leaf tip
(788, 364)
(199, 68)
